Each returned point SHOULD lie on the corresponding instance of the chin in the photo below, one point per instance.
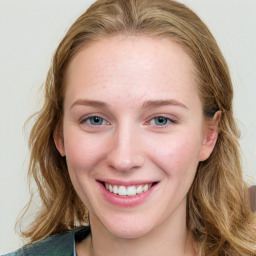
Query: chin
(128, 230)
(128, 234)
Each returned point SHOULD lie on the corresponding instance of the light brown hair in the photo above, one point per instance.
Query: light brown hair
(218, 203)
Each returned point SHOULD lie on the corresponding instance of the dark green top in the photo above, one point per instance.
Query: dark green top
(57, 245)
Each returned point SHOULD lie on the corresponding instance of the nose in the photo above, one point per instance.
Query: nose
(125, 153)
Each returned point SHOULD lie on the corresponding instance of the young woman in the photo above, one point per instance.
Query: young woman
(135, 151)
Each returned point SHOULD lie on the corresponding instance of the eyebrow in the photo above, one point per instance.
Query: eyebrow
(150, 104)
(159, 103)
(92, 103)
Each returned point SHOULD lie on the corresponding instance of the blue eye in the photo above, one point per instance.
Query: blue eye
(94, 120)
(161, 121)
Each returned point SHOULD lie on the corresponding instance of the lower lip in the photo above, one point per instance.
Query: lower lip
(126, 201)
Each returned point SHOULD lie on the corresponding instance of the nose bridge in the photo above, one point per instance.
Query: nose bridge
(125, 153)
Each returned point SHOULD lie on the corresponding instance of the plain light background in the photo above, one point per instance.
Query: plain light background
(29, 34)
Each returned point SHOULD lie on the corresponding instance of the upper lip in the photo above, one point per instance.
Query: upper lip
(127, 183)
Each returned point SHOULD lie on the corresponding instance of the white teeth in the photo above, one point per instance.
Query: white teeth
(127, 191)
(139, 189)
(131, 191)
(115, 189)
(122, 191)
(145, 188)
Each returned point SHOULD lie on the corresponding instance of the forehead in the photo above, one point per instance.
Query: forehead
(135, 66)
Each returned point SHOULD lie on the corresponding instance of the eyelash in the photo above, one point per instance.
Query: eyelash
(168, 119)
(86, 118)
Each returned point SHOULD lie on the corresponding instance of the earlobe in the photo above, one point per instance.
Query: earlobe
(59, 141)
(210, 136)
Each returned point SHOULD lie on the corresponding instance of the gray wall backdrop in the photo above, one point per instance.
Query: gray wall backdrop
(31, 30)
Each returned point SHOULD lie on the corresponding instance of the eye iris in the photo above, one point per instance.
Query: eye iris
(161, 120)
(95, 120)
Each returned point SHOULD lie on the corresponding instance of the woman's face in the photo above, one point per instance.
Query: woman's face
(133, 133)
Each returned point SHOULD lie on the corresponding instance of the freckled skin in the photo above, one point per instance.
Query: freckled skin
(124, 73)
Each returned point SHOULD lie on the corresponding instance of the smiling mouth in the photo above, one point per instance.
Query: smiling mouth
(127, 191)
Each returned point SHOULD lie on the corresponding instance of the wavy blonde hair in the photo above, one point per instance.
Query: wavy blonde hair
(218, 203)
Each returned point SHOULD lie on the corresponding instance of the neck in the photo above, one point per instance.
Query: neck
(170, 238)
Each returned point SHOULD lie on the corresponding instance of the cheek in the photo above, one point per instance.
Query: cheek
(82, 152)
(177, 154)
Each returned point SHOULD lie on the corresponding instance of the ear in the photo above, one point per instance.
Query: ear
(210, 136)
(59, 140)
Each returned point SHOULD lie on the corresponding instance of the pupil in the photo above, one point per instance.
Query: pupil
(161, 120)
(96, 119)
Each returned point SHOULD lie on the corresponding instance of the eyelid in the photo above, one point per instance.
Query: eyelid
(172, 120)
(83, 119)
